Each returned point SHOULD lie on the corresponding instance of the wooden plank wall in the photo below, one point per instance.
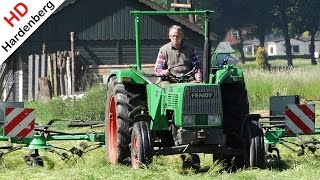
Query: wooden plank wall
(59, 69)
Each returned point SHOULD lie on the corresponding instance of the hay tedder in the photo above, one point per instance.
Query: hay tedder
(20, 131)
(288, 118)
(144, 120)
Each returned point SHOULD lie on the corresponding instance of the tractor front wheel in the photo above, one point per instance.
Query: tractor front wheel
(141, 147)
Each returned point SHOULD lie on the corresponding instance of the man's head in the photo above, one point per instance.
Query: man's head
(176, 36)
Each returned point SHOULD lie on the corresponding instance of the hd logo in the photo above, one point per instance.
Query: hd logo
(18, 20)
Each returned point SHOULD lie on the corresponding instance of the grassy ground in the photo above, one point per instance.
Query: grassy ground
(302, 80)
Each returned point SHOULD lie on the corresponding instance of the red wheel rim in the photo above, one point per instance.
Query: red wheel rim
(134, 150)
(112, 131)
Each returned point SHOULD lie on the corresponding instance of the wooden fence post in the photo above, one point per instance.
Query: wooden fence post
(43, 65)
(30, 78)
(72, 62)
(36, 76)
(20, 74)
(68, 76)
(65, 78)
(49, 71)
(54, 65)
(60, 67)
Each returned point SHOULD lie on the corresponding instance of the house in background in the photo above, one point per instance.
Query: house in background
(277, 47)
(250, 47)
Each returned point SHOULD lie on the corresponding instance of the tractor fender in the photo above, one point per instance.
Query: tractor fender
(129, 76)
(248, 118)
(142, 117)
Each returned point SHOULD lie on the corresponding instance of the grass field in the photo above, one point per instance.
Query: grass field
(302, 80)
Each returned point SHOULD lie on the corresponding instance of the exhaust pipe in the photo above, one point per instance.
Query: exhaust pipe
(206, 50)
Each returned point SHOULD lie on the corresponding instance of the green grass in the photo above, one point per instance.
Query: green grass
(302, 80)
(90, 107)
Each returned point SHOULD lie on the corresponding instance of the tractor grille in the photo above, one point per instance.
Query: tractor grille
(172, 100)
(202, 100)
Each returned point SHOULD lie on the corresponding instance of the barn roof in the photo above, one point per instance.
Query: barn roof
(155, 7)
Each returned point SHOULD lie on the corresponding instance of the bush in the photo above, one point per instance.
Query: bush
(261, 58)
(90, 107)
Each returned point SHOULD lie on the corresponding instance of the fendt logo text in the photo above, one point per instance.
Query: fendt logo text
(203, 95)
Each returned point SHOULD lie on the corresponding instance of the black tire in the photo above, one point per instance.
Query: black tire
(235, 108)
(34, 161)
(255, 148)
(230, 162)
(191, 161)
(121, 107)
(141, 145)
(272, 161)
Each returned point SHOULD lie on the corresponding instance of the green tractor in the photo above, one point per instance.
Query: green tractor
(212, 117)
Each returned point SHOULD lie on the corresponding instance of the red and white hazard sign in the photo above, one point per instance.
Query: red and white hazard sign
(300, 118)
(19, 122)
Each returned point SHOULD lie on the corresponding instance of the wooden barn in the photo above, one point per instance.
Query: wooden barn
(104, 33)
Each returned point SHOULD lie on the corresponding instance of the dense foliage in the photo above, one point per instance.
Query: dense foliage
(90, 107)
(259, 18)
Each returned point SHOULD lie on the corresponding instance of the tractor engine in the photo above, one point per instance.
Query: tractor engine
(196, 113)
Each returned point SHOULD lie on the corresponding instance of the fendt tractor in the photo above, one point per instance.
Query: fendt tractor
(145, 120)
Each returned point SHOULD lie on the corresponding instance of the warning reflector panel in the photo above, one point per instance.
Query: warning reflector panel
(300, 118)
(19, 122)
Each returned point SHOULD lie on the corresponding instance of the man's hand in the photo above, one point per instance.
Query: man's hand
(166, 72)
(196, 81)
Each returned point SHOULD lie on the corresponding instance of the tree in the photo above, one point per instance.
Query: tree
(307, 18)
(231, 14)
(283, 10)
(261, 18)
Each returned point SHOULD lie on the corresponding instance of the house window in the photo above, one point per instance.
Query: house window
(249, 51)
(295, 49)
(255, 49)
(272, 50)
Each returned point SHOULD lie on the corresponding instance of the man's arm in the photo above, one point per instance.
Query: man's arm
(160, 65)
(197, 64)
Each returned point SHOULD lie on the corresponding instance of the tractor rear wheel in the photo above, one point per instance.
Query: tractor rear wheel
(120, 109)
(255, 152)
(141, 147)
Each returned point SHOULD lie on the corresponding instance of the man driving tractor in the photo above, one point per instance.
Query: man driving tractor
(177, 58)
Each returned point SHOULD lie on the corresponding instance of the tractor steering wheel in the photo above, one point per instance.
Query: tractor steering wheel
(183, 77)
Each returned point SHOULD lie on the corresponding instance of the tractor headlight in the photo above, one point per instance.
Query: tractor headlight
(214, 120)
(188, 120)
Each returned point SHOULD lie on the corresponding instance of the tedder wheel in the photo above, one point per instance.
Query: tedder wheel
(254, 151)
(34, 161)
(190, 161)
(121, 107)
(141, 146)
